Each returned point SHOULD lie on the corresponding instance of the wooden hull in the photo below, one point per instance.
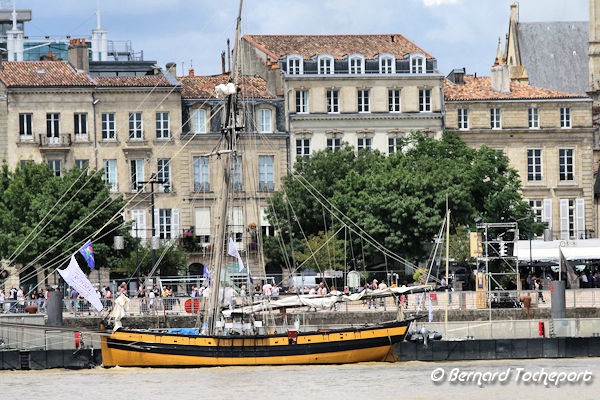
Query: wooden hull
(141, 349)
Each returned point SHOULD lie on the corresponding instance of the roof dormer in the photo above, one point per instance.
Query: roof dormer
(356, 63)
(294, 64)
(417, 63)
(387, 63)
(325, 64)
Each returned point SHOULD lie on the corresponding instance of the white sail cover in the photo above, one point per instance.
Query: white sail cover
(119, 310)
(75, 277)
(326, 301)
(225, 89)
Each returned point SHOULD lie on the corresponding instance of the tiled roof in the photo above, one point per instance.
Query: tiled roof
(133, 81)
(277, 46)
(41, 74)
(480, 88)
(203, 87)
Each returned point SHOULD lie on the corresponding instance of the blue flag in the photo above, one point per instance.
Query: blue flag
(206, 273)
(87, 253)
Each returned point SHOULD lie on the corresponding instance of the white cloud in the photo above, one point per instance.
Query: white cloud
(432, 3)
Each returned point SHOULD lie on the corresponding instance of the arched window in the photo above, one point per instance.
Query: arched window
(356, 64)
(325, 63)
(417, 64)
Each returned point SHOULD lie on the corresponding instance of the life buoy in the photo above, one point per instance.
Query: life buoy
(188, 305)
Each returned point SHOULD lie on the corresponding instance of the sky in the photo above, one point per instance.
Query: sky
(459, 33)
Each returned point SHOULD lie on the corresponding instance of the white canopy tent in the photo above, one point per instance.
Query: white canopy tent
(584, 249)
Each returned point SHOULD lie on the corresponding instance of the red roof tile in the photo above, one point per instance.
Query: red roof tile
(203, 86)
(133, 81)
(41, 74)
(276, 46)
(480, 88)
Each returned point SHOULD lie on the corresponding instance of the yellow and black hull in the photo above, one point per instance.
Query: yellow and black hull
(128, 348)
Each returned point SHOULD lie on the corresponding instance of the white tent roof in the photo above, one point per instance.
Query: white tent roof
(585, 249)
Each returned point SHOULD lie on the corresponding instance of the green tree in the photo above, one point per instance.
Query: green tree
(31, 193)
(171, 264)
(320, 252)
(399, 199)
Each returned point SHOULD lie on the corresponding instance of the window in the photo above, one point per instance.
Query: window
(265, 173)
(334, 144)
(265, 226)
(417, 64)
(495, 118)
(463, 118)
(108, 126)
(53, 128)
(572, 219)
(138, 227)
(295, 65)
(162, 125)
(135, 126)
(333, 105)
(264, 120)
(363, 101)
(164, 223)
(236, 224)
(201, 177)
(202, 215)
(80, 126)
(565, 164)
(136, 174)
(55, 166)
(387, 65)
(325, 65)
(394, 100)
(25, 126)
(302, 101)
(565, 117)
(164, 174)
(303, 148)
(356, 65)
(393, 145)
(110, 174)
(81, 164)
(199, 120)
(534, 118)
(364, 144)
(534, 165)
(424, 100)
(236, 173)
(537, 208)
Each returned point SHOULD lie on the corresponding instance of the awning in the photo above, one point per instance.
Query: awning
(585, 249)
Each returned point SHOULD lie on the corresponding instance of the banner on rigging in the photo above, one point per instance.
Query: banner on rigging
(233, 251)
(88, 253)
(75, 277)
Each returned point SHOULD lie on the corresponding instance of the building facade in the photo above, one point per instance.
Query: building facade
(365, 90)
(547, 136)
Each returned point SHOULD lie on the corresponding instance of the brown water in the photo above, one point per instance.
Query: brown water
(357, 381)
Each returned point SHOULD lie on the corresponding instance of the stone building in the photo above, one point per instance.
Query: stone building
(366, 90)
(547, 136)
(261, 161)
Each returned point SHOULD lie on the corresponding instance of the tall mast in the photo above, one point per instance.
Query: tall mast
(230, 140)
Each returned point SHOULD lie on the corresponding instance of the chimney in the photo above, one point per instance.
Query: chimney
(78, 55)
(191, 73)
(457, 76)
(172, 69)
(500, 77)
(223, 61)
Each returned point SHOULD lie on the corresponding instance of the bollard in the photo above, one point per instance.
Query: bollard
(54, 307)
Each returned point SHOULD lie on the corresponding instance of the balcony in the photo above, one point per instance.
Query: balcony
(266, 186)
(62, 142)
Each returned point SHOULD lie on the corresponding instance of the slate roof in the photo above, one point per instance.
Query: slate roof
(42, 74)
(133, 81)
(555, 54)
(203, 86)
(277, 46)
(480, 88)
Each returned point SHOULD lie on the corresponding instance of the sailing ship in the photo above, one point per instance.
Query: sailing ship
(241, 343)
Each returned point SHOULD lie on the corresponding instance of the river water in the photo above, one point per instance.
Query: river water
(411, 380)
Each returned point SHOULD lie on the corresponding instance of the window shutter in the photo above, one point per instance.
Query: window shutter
(142, 224)
(156, 223)
(547, 213)
(174, 222)
(202, 221)
(564, 219)
(580, 218)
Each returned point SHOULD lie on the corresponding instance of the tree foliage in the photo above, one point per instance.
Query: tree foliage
(321, 251)
(173, 261)
(400, 199)
(31, 193)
